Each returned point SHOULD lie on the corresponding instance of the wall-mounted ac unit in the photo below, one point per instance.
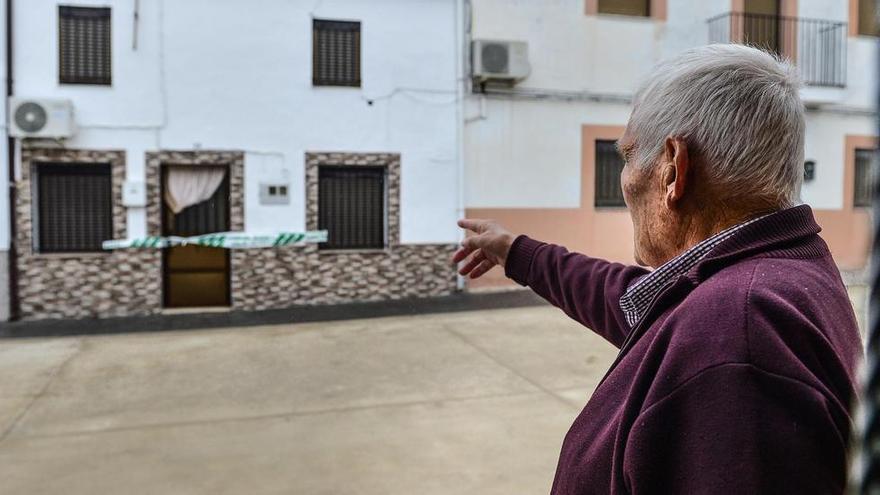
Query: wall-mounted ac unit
(496, 60)
(40, 118)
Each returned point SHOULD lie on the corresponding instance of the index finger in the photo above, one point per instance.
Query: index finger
(473, 224)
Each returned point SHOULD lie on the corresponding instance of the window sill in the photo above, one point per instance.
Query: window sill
(83, 83)
(610, 209)
(627, 17)
(195, 310)
(339, 85)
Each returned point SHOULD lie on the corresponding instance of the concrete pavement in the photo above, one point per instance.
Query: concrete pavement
(472, 402)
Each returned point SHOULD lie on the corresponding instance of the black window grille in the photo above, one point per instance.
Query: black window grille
(84, 48)
(864, 176)
(208, 217)
(336, 53)
(640, 8)
(351, 206)
(75, 207)
(609, 165)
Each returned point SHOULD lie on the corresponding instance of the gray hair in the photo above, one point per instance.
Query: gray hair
(738, 108)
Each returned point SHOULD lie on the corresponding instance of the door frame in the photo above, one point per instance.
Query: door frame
(234, 159)
(163, 167)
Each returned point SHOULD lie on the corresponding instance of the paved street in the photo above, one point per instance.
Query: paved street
(458, 403)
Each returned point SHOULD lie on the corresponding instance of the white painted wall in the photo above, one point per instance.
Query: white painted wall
(530, 150)
(4, 158)
(572, 51)
(232, 74)
(825, 137)
(861, 74)
(528, 153)
(534, 147)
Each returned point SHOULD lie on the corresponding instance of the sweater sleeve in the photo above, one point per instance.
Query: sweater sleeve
(737, 429)
(586, 289)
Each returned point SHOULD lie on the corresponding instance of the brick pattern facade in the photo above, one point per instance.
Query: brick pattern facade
(129, 281)
(272, 278)
(278, 278)
(81, 285)
(391, 162)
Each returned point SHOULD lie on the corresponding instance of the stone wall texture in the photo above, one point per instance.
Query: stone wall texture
(277, 278)
(129, 282)
(391, 162)
(272, 278)
(81, 285)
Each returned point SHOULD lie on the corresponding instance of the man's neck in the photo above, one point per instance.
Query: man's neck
(699, 229)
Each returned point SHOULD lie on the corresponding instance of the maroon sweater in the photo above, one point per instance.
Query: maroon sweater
(738, 379)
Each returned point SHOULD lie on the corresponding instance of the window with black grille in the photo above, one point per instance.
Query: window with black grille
(609, 165)
(336, 53)
(208, 217)
(75, 207)
(864, 176)
(84, 48)
(351, 206)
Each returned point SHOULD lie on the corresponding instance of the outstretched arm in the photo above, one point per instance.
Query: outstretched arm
(587, 289)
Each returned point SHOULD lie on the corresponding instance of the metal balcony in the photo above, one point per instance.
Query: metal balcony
(818, 47)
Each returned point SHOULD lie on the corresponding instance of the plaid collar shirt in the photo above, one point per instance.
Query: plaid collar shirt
(637, 299)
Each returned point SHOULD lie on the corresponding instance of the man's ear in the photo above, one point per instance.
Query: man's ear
(676, 165)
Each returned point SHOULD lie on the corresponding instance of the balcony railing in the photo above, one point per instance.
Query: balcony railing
(818, 47)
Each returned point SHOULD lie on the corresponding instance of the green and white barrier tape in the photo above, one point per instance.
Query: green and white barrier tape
(228, 240)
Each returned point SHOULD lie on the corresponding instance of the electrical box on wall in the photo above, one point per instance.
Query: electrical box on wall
(134, 193)
(274, 194)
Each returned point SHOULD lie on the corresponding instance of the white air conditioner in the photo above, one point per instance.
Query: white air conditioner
(506, 61)
(40, 118)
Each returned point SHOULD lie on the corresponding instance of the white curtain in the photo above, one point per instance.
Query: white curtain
(186, 186)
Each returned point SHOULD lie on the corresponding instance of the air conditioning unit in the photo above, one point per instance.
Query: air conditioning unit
(495, 60)
(40, 118)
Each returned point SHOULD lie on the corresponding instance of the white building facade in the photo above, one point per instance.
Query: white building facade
(364, 119)
(545, 143)
(341, 115)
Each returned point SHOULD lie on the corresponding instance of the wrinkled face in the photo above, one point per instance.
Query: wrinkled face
(644, 202)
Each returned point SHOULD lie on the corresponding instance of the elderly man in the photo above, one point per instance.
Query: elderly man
(738, 352)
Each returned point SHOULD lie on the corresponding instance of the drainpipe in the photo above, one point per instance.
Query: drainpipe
(459, 113)
(10, 165)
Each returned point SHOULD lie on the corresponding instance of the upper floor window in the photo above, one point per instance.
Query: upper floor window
(74, 207)
(84, 45)
(867, 18)
(864, 176)
(351, 206)
(609, 165)
(336, 53)
(639, 8)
